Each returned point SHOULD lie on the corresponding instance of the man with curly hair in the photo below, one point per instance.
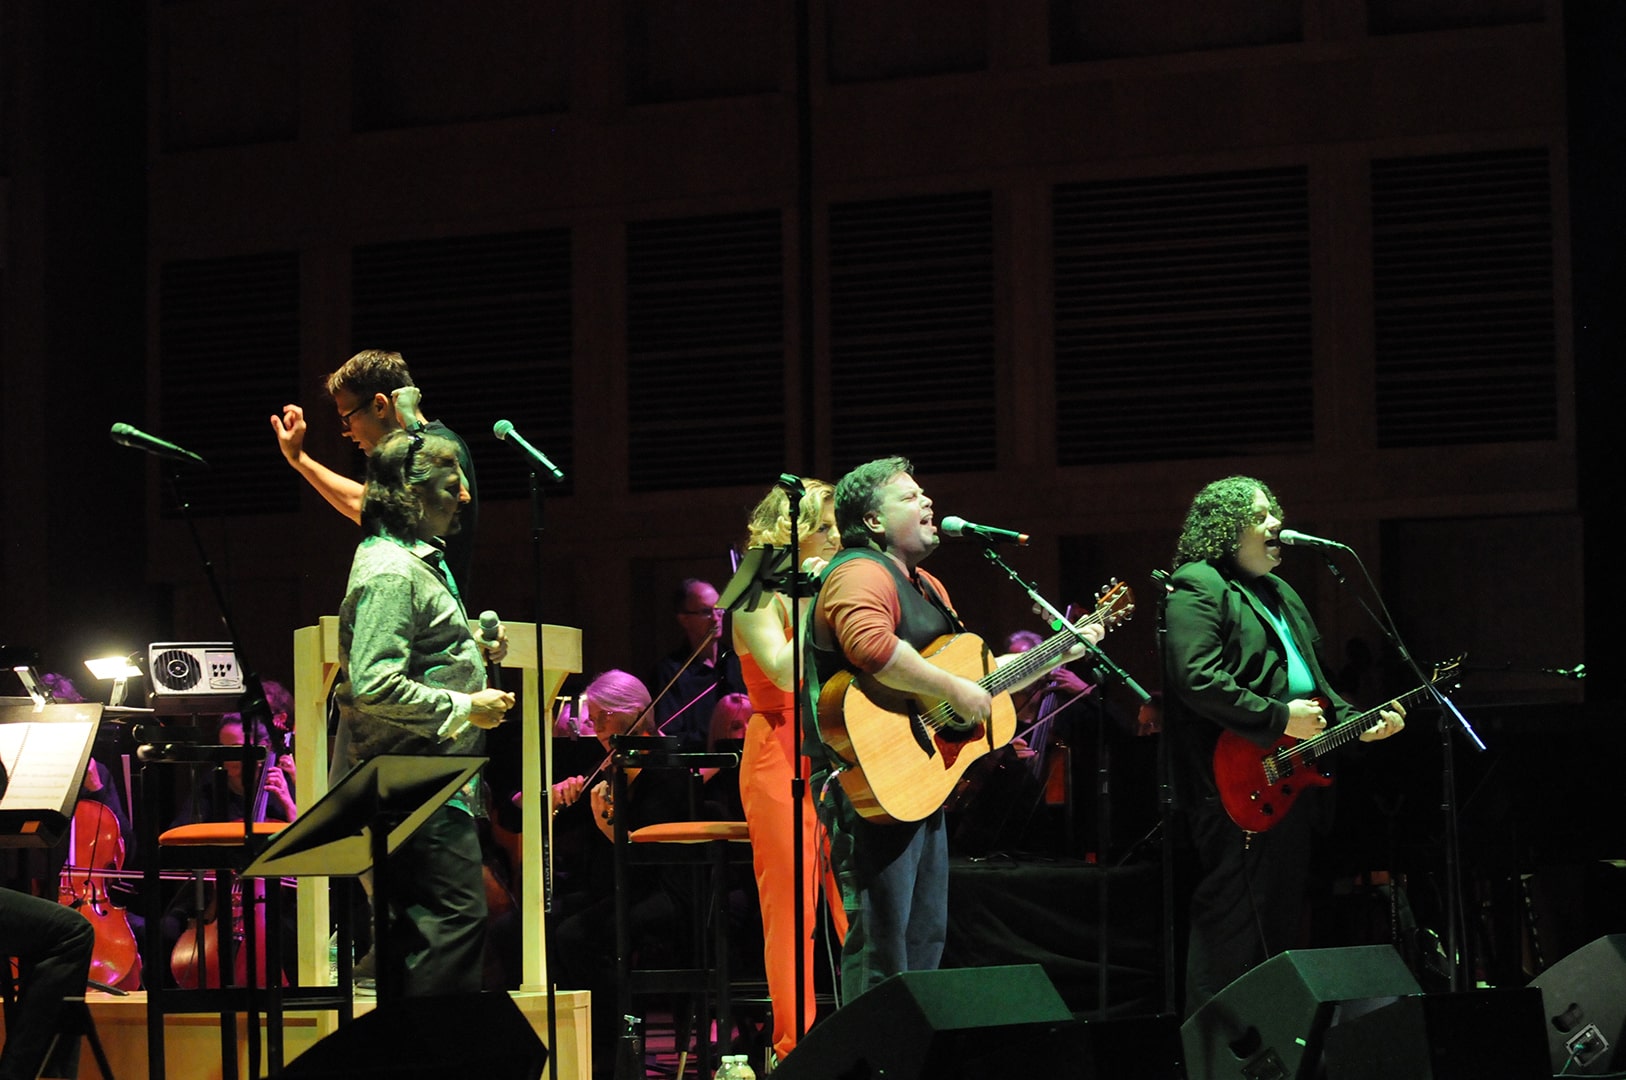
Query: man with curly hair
(1242, 655)
(415, 683)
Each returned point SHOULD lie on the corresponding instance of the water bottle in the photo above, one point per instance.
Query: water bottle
(629, 1049)
(735, 1067)
(333, 960)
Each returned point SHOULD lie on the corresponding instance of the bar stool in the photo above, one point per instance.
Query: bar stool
(709, 846)
(223, 849)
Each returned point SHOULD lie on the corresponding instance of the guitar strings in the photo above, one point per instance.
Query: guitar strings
(940, 714)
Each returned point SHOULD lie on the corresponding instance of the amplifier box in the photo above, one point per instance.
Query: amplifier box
(192, 677)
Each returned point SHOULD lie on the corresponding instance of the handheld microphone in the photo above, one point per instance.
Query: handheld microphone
(136, 439)
(959, 526)
(1293, 536)
(504, 430)
(490, 626)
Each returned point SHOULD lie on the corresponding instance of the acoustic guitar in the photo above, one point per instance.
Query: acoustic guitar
(901, 757)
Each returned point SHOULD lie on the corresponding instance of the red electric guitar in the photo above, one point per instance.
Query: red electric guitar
(1258, 787)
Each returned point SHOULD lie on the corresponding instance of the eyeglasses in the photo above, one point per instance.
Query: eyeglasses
(344, 418)
(704, 613)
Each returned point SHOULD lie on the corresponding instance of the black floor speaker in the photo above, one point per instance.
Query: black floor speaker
(1584, 998)
(1475, 1035)
(941, 1025)
(429, 1038)
(1268, 1024)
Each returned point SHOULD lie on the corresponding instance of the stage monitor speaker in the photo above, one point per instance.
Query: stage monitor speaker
(940, 1025)
(447, 1037)
(1268, 1024)
(1464, 1036)
(1584, 998)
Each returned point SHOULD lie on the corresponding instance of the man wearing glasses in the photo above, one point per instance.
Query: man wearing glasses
(712, 671)
(374, 394)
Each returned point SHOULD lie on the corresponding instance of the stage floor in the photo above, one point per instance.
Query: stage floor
(192, 1042)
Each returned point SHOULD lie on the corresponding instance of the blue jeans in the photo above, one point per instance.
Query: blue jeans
(894, 883)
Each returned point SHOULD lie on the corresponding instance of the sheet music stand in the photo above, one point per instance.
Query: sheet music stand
(45, 749)
(367, 815)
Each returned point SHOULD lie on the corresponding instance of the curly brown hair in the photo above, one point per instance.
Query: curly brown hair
(1218, 512)
(397, 465)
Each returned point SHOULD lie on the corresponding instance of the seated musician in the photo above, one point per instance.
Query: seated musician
(997, 806)
(212, 800)
(584, 935)
(53, 947)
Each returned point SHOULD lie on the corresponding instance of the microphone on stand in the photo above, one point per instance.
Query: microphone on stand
(1293, 536)
(959, 526)
(136, 439)
(504, 430)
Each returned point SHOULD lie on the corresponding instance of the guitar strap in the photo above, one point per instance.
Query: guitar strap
(935, 598)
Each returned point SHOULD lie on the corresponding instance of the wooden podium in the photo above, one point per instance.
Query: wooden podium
(316, 665)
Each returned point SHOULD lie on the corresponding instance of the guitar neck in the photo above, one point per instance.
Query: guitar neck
(1352, 729)
(1038, 659)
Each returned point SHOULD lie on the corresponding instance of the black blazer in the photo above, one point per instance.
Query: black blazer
(1226, 668)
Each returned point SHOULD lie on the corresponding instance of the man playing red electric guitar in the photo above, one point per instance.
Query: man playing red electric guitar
(1241, 657)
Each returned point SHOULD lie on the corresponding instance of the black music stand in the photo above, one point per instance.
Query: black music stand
(45, 749)
(367, 815)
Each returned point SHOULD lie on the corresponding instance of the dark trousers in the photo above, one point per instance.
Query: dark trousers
(1248, 903)
(53, 944)
(438, 906)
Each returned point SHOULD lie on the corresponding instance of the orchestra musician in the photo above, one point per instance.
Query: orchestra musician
(765, 640)
(584, 933)
(875, 611)
(414, 682)
(1242, 655)
(712, 671)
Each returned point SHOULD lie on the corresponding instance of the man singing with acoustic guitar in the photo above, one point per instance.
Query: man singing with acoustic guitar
(872, 641)
(1241, 672)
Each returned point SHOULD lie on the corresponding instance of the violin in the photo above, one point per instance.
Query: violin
(96, 848)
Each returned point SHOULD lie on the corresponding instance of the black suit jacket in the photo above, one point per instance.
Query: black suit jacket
(1226, 668)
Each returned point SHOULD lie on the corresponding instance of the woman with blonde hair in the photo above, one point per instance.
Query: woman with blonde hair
(766, 640)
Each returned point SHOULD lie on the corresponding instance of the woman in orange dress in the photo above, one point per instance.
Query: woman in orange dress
(766, 640)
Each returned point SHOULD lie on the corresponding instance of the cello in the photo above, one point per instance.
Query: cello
(95, 852)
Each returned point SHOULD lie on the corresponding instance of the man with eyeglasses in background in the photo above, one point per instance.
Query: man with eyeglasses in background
(685, 709)
(374, 394)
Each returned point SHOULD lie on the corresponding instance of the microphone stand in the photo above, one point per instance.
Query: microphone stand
(1165, 801)
(256, 714)
(798, 783)
(1458, 944)
(1113, 673)
(544, 824)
